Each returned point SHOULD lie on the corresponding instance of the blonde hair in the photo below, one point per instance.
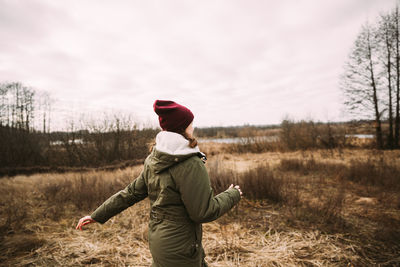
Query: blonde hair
(192, 140)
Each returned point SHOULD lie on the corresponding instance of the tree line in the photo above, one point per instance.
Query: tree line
(21, 107)
(371, 78)
(26, 139)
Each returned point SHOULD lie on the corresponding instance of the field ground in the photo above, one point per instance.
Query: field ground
(319, 208)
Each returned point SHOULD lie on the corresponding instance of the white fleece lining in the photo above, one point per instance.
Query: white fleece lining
(174, 144)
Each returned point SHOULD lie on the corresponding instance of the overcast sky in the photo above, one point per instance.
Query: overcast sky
(231, 62)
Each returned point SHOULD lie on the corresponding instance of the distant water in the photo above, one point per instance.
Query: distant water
(59, 143)
(231, 140)
(366, 136)
(238, 140)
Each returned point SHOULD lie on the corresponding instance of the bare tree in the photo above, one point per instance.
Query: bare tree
(45, 103)
(28, 107)
(360, 81)
(3, 105)
(385, 38)
(17, 105)
(395, 17)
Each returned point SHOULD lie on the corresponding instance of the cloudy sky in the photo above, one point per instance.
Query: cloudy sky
(232, 62)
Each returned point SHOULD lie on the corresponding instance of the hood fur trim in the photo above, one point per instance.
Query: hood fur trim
(174, 144)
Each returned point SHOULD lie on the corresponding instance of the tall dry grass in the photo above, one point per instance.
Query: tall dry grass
(258, 183)
(373, 171)
(265, 183)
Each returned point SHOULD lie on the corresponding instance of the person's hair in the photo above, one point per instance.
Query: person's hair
(151, 145)
(192, 140)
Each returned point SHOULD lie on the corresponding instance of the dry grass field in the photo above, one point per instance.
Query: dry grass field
(305, 208)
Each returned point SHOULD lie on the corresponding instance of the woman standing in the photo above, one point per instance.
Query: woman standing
(177, 184)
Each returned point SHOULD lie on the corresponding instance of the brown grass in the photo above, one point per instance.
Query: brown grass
(299, 209)
(259, 183)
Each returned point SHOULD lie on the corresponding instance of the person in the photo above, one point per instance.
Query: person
(181, 198)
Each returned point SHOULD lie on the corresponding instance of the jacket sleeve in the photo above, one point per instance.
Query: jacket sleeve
(133, 193)
(197, 195)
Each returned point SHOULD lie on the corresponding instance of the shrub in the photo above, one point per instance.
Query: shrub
(258, 183)
(84, 191)
(253, 145)
(310, 166)
(13, 210)
(221, 177)
(308, 134)
(261, 183)
(373, 172)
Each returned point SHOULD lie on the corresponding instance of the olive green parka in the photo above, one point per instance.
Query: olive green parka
(181, 199)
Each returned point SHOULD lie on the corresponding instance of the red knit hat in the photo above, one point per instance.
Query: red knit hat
(172, 116)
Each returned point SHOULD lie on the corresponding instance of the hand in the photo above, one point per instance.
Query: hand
(84, 221)
(236, 187)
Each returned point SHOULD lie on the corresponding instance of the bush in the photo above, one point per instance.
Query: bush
(258, 183)
(221, 177)
(373, 172)
(308, 134)
(22, 150)
(83, 191)
(253, 145)
(13, 210)
(310, 166)
(261, 183)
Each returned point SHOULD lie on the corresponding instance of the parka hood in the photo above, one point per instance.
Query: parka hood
(170, 149)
